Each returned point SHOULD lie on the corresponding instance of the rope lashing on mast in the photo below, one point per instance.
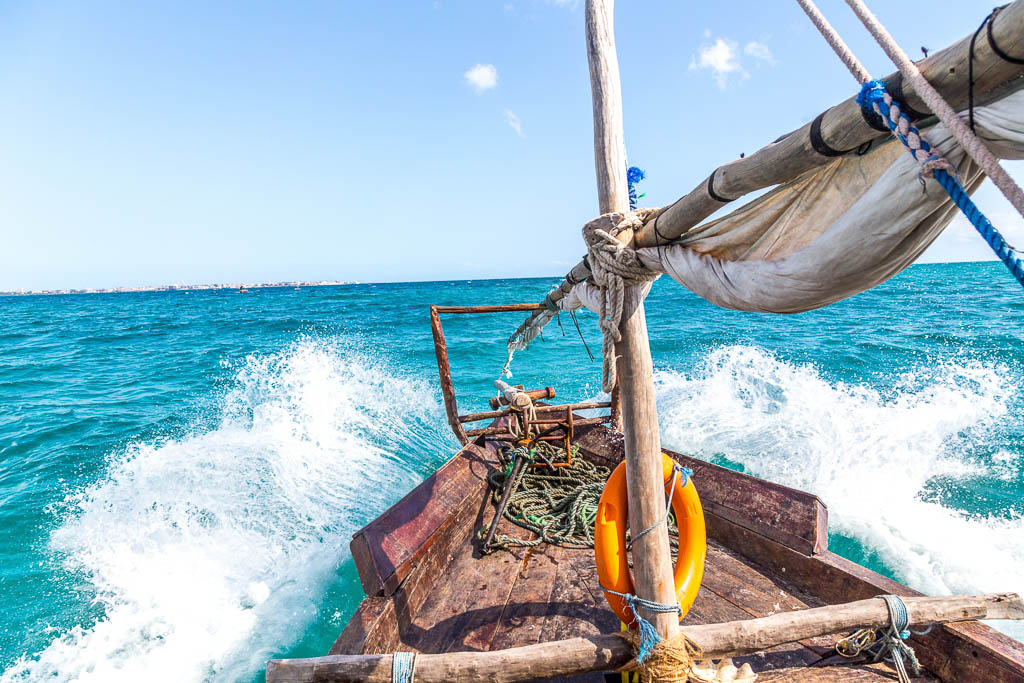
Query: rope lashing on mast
(889, 644)
(614, 267)
(874, 94)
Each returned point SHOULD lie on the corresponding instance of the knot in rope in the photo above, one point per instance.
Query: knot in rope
(613, 268)
(889, 644)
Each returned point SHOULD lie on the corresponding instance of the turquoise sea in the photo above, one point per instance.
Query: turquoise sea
(180, 473)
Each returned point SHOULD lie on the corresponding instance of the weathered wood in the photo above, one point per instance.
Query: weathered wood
(599, 653)
(842, 127)
(534, 394)
(581, 422)
(498, 308)
(389, 547)
(445, 375)
(652, 557)
(541, 409)
(983, 654)
(616, 406)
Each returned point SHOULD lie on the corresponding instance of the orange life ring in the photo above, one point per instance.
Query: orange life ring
(610, 540)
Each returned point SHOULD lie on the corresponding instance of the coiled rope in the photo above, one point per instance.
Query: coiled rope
(558, 504)
(874, 94)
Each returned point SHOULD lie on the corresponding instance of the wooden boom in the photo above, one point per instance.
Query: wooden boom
(609, 652)
(842, 127)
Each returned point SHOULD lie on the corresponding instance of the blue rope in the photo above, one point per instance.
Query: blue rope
(648, 635)
(633, 176)
(873, 92)
(403, 667)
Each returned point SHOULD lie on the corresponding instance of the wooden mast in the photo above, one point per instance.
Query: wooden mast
(652, 559)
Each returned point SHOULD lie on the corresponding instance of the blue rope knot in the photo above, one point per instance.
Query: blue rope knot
(634, 175)
(874, 92)
(871, 92)
(649, 637)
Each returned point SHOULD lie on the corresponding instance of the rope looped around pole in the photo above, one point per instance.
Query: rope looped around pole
(614, 267)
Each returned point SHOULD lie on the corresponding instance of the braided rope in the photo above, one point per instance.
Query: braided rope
(403, 667)
(560, 507)
(835, 40)
(874, 95)
(974, 147)
(613, 268)
(648, 636)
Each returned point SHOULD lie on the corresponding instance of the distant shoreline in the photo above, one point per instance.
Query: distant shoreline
(177, 288)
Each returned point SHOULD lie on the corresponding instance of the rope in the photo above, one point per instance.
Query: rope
(833, 38)
(559, 506)
(889, 644)
(677, 469)
(633, 176)
(968, 140)
(874, 94)
(403, 667)
(671, 659)
(647, 636)
(614, 267)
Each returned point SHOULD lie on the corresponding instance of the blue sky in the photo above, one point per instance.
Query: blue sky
(187, 142)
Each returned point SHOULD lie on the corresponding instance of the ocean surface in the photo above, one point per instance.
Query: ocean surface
(180, 473)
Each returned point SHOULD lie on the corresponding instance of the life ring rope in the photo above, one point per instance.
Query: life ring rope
(611, 549)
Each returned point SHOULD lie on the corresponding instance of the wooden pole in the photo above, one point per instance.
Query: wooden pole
(842, 127)
(608, 652)
(652, 558)
(445, 374)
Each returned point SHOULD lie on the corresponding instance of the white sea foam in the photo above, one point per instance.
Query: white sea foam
(209, 552)
(870, 456)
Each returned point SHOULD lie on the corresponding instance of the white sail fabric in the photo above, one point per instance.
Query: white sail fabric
(831, 233)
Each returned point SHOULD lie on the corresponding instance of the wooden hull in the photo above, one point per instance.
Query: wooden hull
(429, 590)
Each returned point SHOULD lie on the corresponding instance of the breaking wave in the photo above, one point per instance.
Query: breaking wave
(887, 463)
(209, 552)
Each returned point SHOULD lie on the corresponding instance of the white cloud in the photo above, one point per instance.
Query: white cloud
(722, 58)
(512, 120)
(760, 53)
(482, 77)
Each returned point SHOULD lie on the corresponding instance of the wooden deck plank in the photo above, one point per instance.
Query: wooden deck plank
(573, 609)
(443, 598)
(522, 621)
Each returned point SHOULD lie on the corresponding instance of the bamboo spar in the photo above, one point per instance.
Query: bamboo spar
(652, 571)
(842, 127)
(608, 652)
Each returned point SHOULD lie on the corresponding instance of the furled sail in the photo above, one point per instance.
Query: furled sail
(830, 233)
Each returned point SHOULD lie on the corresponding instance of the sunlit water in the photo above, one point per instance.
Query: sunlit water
(180, 473)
